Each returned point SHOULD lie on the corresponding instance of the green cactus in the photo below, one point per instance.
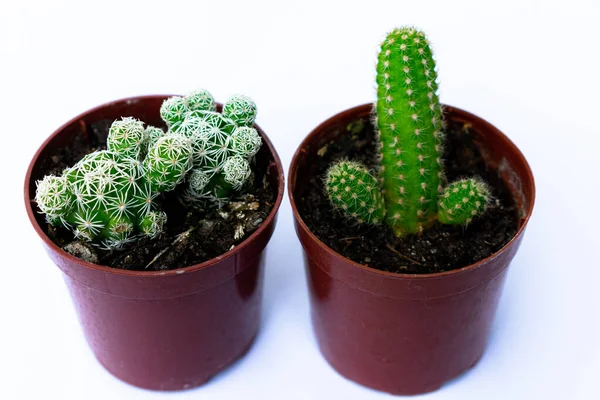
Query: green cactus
(240, 109)
(152, 134)
(222, 147)
(167, 162)
(126, 137)
(354, 191)
(200, 100)
(409, 125)
(409, 121)
(108, 197)
(461, 201)
(173, 110)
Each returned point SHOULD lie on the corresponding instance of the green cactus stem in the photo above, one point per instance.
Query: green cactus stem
(222, 145)
(355, 192)
(127, 137)
(410, 127)
(173, 111)
(168, 161)
(462, 201)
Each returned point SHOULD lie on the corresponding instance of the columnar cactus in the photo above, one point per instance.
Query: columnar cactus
(409, 121)
(107, 198)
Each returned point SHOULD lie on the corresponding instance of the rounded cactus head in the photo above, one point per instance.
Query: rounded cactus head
(200, 100)
(152, 224)
(168, 161)
(210, 134)
(462, 201)
(236, 171)
(198, 180)
(241, 109)
(245, 142)
(54, 197)
(355, 192)
(173, 110)
(126, 137)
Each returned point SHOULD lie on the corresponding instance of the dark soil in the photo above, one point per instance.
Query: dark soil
(191, 236)
(441, 247)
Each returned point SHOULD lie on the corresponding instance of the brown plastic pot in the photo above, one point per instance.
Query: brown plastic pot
(402, 333)
(163, 330)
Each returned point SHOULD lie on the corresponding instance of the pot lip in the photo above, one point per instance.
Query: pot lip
(148, 274)
(292, 172)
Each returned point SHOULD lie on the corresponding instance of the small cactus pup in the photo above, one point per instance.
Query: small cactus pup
(223, 144)
(107, 198)
(354, 191)
(410, 132)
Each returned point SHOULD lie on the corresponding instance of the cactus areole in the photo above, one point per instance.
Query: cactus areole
(109, 197)
(408, 190)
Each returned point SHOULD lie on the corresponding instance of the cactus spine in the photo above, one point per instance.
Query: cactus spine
(409, 122)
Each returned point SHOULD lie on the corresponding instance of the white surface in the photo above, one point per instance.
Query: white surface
(529, 67)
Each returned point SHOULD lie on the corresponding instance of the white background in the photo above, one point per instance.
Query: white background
(529, 67)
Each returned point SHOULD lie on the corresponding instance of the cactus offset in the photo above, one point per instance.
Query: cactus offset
(241, 109)
(462, 200)
(409, 122)
(354, 191)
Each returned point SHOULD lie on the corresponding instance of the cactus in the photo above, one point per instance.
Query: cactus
(200, 100)
(240, 109)
(409, 125)
(152, 134)
(409, 121)
(355, 191)
(461, 201)
(167, 162)
(223, 145)
(108, 196)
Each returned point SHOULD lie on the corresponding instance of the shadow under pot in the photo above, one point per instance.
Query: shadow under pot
(397, 332)
(162, 330)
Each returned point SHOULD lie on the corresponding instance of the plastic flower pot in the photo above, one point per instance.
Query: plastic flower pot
(403, 333)
(163, 330)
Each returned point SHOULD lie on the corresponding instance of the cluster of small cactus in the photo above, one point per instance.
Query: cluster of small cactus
(222, 143)
(108, 197)
(410, 133)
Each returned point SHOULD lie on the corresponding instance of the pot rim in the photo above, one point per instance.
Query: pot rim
(292, 173)
(147, 274)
